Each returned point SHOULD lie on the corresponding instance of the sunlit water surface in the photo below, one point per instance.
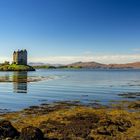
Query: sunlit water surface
(61, 85)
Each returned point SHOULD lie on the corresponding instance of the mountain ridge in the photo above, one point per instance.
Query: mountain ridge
(92, 64)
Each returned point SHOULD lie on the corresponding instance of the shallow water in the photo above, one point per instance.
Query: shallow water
(58, 85)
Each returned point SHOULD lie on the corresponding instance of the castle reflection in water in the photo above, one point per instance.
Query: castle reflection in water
(20, 82)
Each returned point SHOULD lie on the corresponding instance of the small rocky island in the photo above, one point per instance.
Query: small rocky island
(19, 63)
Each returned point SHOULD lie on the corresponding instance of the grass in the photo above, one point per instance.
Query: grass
(45, 67)
(15, 67)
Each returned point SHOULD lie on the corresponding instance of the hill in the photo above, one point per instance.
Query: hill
(87, 65)
(90, 65)
(95, 65)
(135, 65)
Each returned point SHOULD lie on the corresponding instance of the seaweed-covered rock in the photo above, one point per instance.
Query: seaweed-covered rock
(31, 133)
(79, 126)
(113, 127)
(7, 130)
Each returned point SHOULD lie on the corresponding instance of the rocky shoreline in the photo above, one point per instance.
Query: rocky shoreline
(73, 121)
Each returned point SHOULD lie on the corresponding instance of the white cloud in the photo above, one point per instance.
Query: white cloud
(107, 58)
(126, 58)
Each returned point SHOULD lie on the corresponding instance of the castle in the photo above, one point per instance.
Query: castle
(20, 57)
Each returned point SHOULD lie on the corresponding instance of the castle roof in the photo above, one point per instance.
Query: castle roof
(20, 51)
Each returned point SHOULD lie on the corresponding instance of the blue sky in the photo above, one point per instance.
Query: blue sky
(65, 31)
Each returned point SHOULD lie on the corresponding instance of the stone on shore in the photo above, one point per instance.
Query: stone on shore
(7, 130)
(31, 133)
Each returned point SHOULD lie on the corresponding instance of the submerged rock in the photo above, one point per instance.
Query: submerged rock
(135, 105)
(7, 130)
(31, 133)
(132, 95)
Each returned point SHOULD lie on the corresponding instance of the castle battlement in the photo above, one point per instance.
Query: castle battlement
(20, 57)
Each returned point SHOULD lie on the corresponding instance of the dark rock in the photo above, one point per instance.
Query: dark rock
(103, 131)
(123, 125)
(34, 107)
(51, 139)
(31, 133)
(113, 127)
(89, 138)
(135, 105)
(7, 130)
(130, 95)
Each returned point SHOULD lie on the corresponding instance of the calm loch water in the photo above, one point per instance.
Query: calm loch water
(16, 92)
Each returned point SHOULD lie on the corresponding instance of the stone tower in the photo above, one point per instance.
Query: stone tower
(20, 57)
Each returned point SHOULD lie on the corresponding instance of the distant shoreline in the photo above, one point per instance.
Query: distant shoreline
(73, 68)
(90, 65)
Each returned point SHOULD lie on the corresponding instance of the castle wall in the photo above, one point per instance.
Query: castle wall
(20, 57)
